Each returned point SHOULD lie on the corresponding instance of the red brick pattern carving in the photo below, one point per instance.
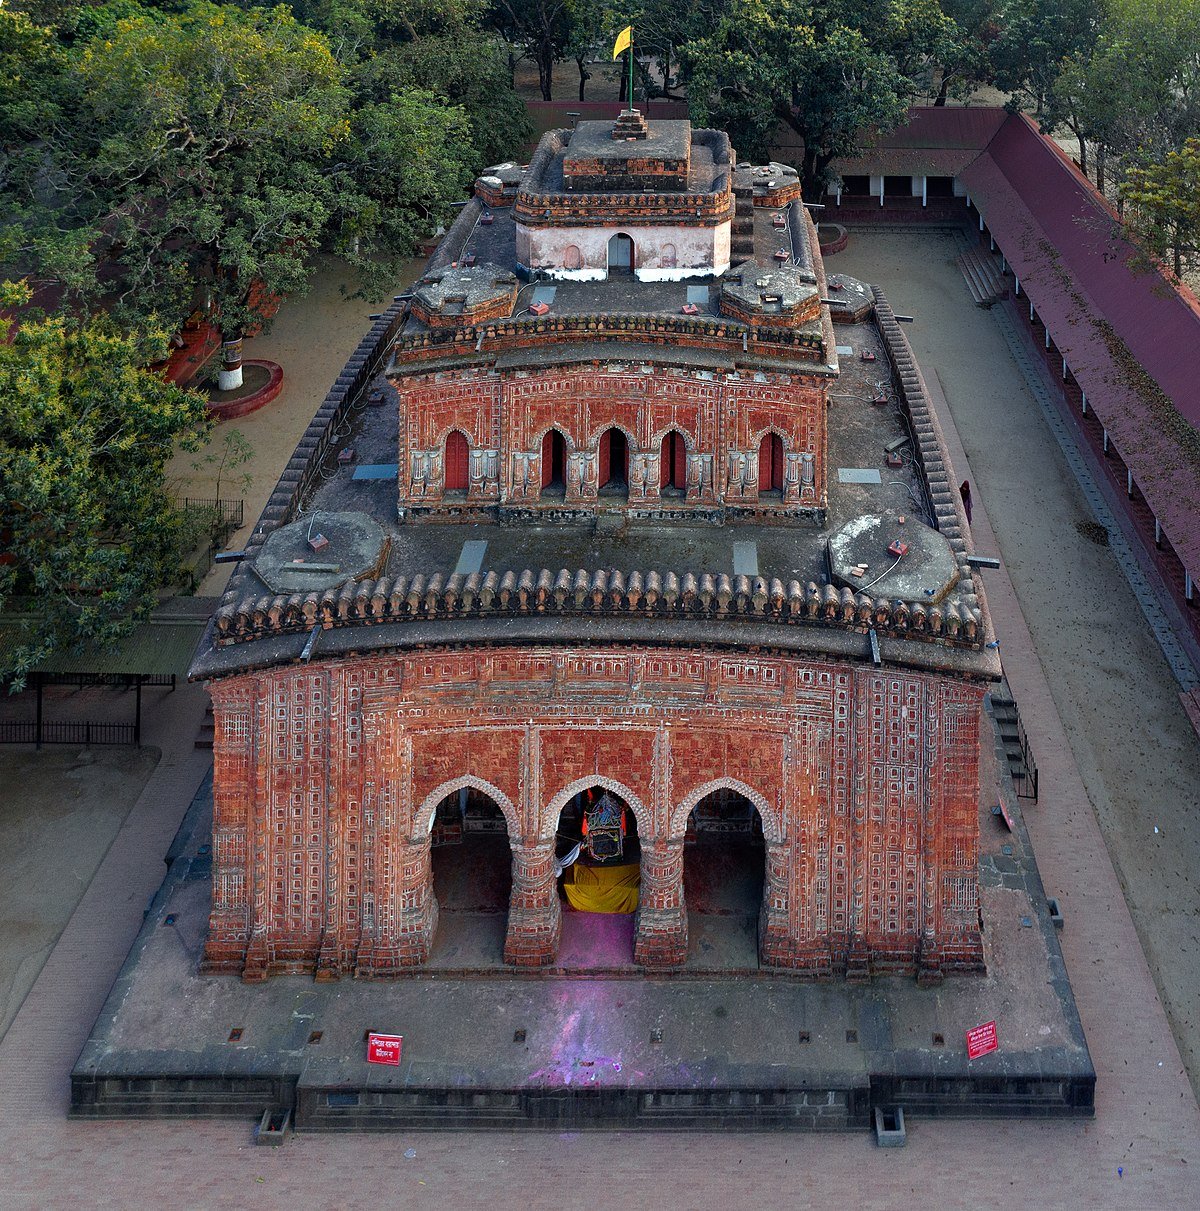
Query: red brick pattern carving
(722, 420)
(326, 778)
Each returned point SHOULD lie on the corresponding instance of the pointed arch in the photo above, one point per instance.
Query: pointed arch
(554, 458)
(622, 255)
(673, 460)
(423, 816)
(614, 457)
(641, 813)
(458, 461)
(770, 462)
(771, 822)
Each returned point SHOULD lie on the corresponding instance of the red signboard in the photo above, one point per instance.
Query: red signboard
(981, 1040)
(384, 1048)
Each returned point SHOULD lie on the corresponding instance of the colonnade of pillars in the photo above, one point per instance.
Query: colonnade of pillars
(535, 910)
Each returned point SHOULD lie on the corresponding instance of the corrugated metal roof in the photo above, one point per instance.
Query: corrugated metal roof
(160, 646)
(1065, 246)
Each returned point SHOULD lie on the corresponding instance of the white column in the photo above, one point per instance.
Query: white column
(1189, 586)
(1047, 338)
(1084, 403)
(1157, 533)
(1129, 484)
(1016, 287)
(1105, 441)
(1064, 369)
(882, 187)
(924, 191)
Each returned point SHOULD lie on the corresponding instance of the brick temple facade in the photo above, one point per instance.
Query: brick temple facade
(614, 557)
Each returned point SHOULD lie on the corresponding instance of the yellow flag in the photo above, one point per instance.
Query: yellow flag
(624, 38)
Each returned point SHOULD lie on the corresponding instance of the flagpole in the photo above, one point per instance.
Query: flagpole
(631, 106)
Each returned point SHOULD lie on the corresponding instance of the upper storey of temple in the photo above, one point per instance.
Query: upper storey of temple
(615, 376)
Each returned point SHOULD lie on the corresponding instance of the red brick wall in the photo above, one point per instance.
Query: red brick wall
(510, 414)
(326, 777)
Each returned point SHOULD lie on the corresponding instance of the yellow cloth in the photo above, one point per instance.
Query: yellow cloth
(602, 888)
(624, 38)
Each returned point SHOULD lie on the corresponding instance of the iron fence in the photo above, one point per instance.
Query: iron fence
(85, 733)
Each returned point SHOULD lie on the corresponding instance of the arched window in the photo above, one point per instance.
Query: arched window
(673, 462)
(667, 257)
(458, 461)
(614, 462)
(770, 464)
(572, 257)
(620, 254)
(554, 462)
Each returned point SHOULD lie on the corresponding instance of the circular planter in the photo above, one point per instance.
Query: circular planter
(225, 405)
(833, 238)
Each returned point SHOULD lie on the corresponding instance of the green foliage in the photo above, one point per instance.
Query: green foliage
(1164, 201)
(90, 534)
(832, 72)
(1036, 38)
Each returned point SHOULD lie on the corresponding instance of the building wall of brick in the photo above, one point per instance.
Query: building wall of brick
(327, 777)
(504, 417)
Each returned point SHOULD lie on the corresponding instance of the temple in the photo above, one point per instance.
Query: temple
(644, 562)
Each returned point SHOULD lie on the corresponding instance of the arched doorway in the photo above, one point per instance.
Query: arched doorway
(554, 464)
(472, 877)
(724, 872)
(458, 462)
(599, 855)
(614, 463)
(620, 254)
(673, 463)
(770, 464)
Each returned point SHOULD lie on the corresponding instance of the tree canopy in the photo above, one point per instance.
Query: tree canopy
(90, 533)
(832, 72)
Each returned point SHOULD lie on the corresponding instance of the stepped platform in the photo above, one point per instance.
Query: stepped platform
(984, 278)
(593, 1042)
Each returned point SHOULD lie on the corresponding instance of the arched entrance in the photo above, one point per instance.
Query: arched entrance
(614, 463)
(554, 464)
(620, 254)
(770, 464)
(673, 463)
(458, 460)
(598, 852)
(724, 872)
(472, 878)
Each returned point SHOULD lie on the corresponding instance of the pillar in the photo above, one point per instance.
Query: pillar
(924, 191)
(416, 907)
(661, 940)
(534, 913)
(775, 941)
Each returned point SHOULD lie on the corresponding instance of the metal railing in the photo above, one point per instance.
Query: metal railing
(1025, 779)
(230, 511)
(85, 733)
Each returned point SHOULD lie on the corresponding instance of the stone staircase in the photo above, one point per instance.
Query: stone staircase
(742, 234)
(1016, 746)
(985, 281)
(204, 738)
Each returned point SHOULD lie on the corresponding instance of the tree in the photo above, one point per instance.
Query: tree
(798, 62)
(1164, 201)
(540, 28)
(90, 533)
(1137, 92)
(448, 54)
(211, 133)
(200, 160)
(1036, 38)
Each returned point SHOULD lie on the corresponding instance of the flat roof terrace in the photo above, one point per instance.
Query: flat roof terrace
(631, 580)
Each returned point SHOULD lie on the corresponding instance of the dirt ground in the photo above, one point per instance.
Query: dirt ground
(59, 812)
(311, 338)
(1139, 756)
